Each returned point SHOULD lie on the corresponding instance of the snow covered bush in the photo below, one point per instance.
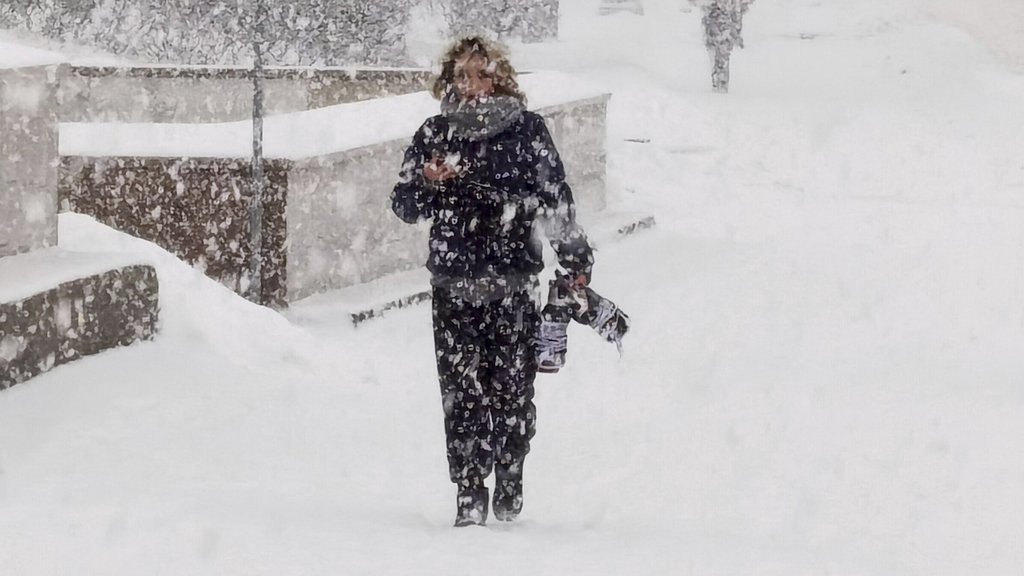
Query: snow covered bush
(299, 32)
(530, 20)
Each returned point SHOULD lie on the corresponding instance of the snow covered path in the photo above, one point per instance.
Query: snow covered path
(825, 373)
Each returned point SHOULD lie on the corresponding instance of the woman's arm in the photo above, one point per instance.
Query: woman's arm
(557, 211)
(413, 198)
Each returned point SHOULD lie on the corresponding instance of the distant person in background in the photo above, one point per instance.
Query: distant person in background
(723, 28)
(486, 173)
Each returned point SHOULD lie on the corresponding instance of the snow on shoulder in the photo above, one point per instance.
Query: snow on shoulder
(296, 135)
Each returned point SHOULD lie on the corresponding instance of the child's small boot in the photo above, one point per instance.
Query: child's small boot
(471, 505)
(508, 491)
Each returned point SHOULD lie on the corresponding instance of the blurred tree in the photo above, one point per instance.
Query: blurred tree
(529, 20)
(41, 16)
(299, 32)
(723, 31)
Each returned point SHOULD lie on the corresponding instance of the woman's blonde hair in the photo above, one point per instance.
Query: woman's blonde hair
(504, 74)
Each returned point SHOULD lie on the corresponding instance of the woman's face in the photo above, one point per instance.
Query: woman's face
(473, 80)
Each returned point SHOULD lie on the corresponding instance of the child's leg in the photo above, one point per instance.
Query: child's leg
(513, 368)
(459, 347)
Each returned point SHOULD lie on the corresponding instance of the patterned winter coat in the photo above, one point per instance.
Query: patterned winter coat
(484, 221)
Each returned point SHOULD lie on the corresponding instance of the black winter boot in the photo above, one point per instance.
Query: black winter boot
(508, 494)
(471, 506)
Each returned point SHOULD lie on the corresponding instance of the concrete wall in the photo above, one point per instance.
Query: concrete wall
(48, 315)
(329, 223)
(76, 319)
(196, 208)
(205, 95)
(28, 158)
(341, 230)
(579, 129)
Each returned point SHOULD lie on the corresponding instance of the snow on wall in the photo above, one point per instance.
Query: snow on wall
(26, 275)
(296, 135)
(190, 95)
(28, 155)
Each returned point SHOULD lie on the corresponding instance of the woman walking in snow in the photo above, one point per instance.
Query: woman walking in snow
(486, 172)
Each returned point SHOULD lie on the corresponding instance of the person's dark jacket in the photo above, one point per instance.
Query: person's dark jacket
(483, 220)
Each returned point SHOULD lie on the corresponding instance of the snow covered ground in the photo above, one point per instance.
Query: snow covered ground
(825, 373)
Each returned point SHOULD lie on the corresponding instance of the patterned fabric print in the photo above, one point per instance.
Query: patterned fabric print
(486, 365)
(480, 290)
(482, 222)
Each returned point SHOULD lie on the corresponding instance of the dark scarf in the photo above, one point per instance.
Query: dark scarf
(481, 119)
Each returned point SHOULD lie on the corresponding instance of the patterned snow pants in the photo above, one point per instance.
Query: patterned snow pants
(486, 365)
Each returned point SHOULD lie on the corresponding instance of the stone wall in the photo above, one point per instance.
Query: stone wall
(328, 225)
(76, 319)
(341, 230)
(28, 150)
(206, 94)
(55, 306)
(340, 226)
(196, 208)
(579, 129)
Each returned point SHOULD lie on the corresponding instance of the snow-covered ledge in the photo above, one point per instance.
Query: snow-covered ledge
(334, 168)
(207, 94)
(57, 306)
(28, 148)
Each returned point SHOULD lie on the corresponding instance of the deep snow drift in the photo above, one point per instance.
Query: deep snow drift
(825, 373)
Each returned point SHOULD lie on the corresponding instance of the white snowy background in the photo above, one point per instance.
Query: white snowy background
(825, 373)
